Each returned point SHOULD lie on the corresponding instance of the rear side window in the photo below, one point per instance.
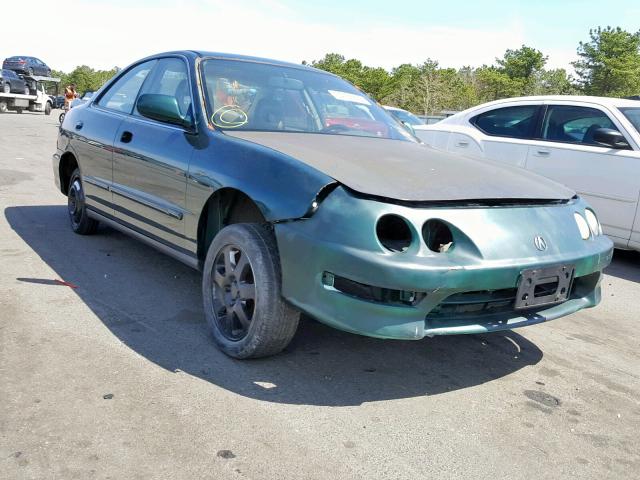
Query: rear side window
(121, 96)
(512, 122)
(574, 124)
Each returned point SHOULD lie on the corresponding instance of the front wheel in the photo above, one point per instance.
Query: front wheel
(47, 108)
(241, 287)
(81, 223)
(61, 118)
(6, 88)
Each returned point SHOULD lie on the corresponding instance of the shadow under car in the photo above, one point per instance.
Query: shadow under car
(153, 304)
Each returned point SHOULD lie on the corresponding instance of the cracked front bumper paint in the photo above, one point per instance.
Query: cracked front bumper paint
(497, 245)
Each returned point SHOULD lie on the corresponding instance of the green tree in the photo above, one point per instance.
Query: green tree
(609, 62)
(523, 63)
(85, 78)
(492, 83)
(555, 82)
(374, 81)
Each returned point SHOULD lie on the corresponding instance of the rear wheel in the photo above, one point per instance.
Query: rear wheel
(81, 223)
(3, 107)
(47, 108)
(61, 118)
(19, 110)
(6, 88)
(27, 90)
(241, 287)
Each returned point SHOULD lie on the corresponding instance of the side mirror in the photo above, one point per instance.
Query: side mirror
(163, 108)
(610, 138)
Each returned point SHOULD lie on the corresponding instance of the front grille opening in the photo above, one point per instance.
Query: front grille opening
(475, 304)
(547, 288)
(471, 305)
(437, 236)
(394, 233)
(371, 293)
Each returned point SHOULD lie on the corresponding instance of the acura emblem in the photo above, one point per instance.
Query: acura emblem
(540, 243)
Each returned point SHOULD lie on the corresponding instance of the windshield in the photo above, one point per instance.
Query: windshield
(406, 117)
(633, 115)
(244, 95)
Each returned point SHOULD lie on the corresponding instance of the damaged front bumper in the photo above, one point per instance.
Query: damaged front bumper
(335, 269)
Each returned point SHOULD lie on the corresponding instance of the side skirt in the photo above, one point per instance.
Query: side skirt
(190, 260)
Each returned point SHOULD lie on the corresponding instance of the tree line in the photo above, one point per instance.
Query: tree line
(608, 65)
(85, 78)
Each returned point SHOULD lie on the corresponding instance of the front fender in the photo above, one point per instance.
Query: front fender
(281, 186)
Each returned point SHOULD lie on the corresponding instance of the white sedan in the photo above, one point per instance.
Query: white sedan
(591, 144)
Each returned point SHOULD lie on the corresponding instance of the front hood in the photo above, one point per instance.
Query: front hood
(407, 171)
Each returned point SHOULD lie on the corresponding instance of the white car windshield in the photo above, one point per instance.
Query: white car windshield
(246, 95)
(406, 117)
(633, 115)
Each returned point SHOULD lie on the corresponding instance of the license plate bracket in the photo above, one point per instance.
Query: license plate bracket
(544, 286)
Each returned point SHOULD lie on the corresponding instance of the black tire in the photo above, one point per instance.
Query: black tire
(269, 322)
(30, 72)
(76, 208)
(27, 90)
(6, 88)
(47, 108)
(3, 107)
(19, 110)
(61, 118)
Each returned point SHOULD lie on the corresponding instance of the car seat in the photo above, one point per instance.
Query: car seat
(268, 114)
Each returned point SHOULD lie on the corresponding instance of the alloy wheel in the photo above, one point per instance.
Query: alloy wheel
(234, 292)
(75, 202)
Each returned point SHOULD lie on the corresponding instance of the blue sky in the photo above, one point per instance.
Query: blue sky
(104, 33)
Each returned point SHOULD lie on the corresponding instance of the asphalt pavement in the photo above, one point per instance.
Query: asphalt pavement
(107, 371)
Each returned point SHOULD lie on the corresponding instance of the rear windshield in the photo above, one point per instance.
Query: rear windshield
(633, 115)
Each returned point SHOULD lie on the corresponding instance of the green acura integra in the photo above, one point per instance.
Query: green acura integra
(293, 191)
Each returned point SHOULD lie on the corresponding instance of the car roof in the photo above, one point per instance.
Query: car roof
(233, 56)
(608, 101)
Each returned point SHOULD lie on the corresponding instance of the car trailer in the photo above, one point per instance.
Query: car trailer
(37, 101)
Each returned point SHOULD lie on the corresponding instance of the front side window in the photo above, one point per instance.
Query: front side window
(170, 77)
(633, 115)
(574, 124)
(121, 96)
(244, 95)
(512, 122)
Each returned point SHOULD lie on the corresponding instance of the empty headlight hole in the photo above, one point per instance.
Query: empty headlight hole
(437, 236)
(394, 233)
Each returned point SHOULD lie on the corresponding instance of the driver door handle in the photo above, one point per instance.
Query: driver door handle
(126, 137)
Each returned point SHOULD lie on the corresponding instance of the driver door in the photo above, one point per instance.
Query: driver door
(151, 158)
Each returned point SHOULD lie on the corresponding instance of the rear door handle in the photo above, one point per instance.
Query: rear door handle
(462, 144)
(126, 137)
(79, 125)
(543, 153)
